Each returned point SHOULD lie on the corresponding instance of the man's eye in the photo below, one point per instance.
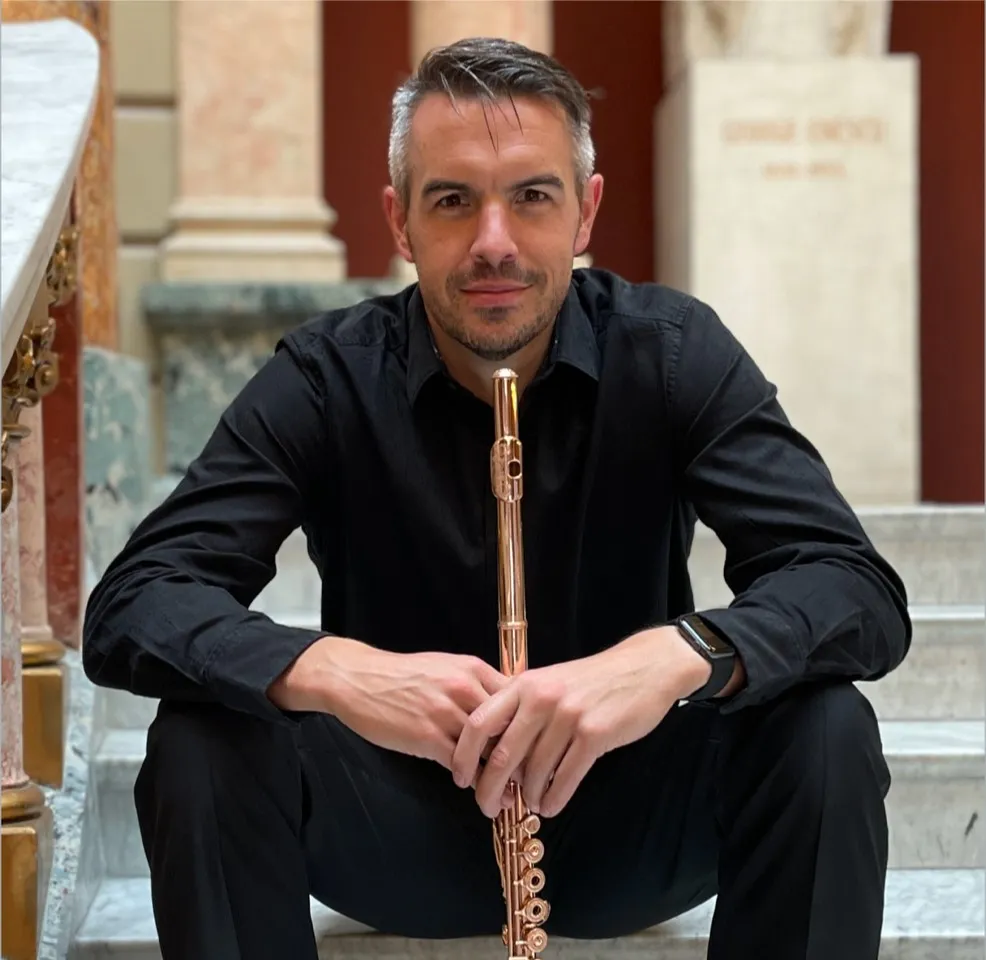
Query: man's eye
(452, 200)
(534, 196)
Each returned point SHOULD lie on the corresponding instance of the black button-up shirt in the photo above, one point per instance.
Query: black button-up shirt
(645, 414)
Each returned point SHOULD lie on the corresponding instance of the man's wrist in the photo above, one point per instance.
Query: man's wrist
(306, 684)
(681, 669)
(695, 670)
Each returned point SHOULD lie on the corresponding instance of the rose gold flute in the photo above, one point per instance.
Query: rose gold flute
(516, 848)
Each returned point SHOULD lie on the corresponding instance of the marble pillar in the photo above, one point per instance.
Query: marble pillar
(435, 23)
(250, 204)
(44, 686)
(35, 629)
(12, 756)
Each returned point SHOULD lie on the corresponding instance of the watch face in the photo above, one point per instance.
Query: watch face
(707, 637)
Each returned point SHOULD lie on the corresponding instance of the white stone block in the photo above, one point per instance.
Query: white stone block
(786, 198)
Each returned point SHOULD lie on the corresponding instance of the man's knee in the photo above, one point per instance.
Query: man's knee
(819, 733)
(201, 755)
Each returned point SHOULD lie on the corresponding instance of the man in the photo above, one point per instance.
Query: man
(671, 759)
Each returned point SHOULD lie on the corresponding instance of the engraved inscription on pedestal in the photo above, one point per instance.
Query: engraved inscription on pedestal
(813, 148)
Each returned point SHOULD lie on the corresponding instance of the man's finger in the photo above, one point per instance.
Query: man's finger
(492, 680)
(570, 773)
(488, 720)
(443, 749)
(544, 760)
(507, 757)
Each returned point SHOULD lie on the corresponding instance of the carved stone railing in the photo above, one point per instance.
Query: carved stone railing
(50, 72)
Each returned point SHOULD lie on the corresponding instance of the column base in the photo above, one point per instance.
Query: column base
(26, 848)
(45, 696)
(250, 240)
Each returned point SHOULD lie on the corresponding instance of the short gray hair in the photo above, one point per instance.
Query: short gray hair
(489, 69)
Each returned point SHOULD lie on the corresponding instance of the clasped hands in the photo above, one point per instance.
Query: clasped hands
(546, 727)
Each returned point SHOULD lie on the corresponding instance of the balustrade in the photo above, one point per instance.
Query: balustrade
(50, 72)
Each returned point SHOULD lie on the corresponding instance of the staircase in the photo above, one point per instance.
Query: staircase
(931, 712)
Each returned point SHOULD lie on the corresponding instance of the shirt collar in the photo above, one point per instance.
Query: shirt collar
(574, 343)
(423, 361)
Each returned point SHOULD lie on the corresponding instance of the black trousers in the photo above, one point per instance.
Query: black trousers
(778, 809)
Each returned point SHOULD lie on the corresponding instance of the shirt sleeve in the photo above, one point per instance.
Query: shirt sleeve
(812, 597)
(170, 616)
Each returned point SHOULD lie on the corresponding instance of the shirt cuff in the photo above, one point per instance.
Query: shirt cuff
(766, 645)
(250, 658)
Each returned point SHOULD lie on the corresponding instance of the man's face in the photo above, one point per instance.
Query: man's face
(493, 220)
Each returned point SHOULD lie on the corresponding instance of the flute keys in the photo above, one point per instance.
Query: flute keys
(535, 910)
(532, 851)
(532, 880)
(536, 940)
(531, 823)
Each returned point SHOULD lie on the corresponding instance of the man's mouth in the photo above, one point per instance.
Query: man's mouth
(493, 294)
(494, 288)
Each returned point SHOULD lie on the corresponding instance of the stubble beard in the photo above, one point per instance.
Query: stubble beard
(497, 336)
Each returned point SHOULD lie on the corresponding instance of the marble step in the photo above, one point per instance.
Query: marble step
(939, 552)
(943, 676)
(935, 807)
(929, 915)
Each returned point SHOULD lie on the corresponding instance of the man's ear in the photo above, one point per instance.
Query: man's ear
(397, 221)
(592, 196)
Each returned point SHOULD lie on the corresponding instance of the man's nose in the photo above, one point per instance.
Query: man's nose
(493, 242)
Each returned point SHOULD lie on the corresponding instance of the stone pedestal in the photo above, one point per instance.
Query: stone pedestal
(250, 201)
(786, 198)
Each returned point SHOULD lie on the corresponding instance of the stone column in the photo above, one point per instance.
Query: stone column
(13, 742)
(27, 820)
(43, 682)
(435, 23)
(250, 205)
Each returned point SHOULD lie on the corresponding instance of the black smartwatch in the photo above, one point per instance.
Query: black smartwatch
(714, 648)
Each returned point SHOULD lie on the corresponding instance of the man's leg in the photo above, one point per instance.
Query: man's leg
(779, 808)
(802, 784)
(638, 842)
(242, 820)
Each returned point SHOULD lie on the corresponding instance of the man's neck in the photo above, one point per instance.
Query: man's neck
(476, 374)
